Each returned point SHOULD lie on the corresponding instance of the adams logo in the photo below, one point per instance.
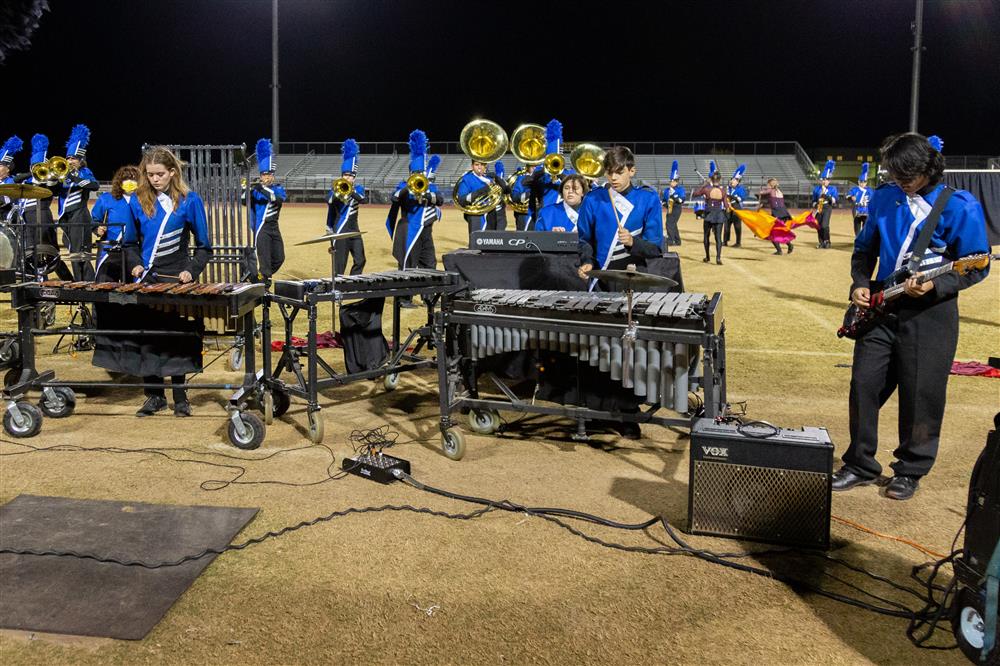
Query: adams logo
(715, 451)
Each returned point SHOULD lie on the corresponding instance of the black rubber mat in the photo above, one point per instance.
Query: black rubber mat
(69, 595)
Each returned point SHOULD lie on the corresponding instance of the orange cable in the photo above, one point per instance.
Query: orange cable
(869, 530)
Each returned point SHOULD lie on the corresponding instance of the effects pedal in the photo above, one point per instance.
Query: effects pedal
(375, 466)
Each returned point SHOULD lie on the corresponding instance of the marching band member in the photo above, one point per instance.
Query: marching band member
(545, 187)
(673, 199)
(563, 216)
(266, 198)
(620, 224)
(520, 193)
(11, 147)
(41, 229)
(716, 209)
(342, 215)
(771, 196)
(824, 200)
(475, 184)
(912, 353)
(412, 215)
(859, 197)
(74, 193)
(165, 214)
(736, 194)
(111, 213)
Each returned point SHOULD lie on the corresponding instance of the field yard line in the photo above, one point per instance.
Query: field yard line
(822, 321)
(792, 352)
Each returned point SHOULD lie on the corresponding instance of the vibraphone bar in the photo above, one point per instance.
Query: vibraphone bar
(676, 344)
(223, 306)
(295, 296)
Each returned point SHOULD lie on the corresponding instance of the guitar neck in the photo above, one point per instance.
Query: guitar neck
(898, 289)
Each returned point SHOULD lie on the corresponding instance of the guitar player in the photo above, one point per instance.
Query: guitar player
(912, 352)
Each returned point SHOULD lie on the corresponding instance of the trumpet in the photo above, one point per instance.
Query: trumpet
(555, 164)
(342, 188)
(588, 160)
(55, 168)
(482, 141)
(417, 184)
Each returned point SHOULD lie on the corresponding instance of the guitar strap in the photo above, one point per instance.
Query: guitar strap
(924, 239)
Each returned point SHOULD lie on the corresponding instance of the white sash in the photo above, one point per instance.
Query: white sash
(920, 209)
(167, 204)
(571, 214)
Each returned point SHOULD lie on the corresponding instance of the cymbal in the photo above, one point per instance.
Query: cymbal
(24, 191)
(633, 278)
(332, 237)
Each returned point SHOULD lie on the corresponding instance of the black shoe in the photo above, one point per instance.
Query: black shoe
(902, 487)
(845, 479)
(790, 248)
(777, 252)
(182, 409)
(153, 404)
(706, 260)
(628, 429)
(738, 245)
(718, 261)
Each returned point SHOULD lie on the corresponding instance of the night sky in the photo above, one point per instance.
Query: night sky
(822, 73)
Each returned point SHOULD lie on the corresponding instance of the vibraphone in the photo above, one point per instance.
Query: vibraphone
(224, 307)
(293, 297)
(676, 345)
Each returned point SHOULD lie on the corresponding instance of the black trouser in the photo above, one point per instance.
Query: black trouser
(270, 249)
(495, 221)
(777, 246)
(859, 222)
(355, 247)
(422, 255)
(521, 221)
(111, 269)
(823, 219)
(41, 230)
(78, 237)
(712, 224)
(913, 354)
(733, 223)
(673, 232)
(180, 395)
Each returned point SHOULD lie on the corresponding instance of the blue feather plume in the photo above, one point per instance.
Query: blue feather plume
(263, 150)
(937, 143)
(675, 169)
(828, 169)
(740, 170)
(500, 169)
(864, 172)
(79, 134)
(553, 131)
(350, 149)
(418, 143)
(711, 168)
(39, 143)
(434, 163)
(12, 145)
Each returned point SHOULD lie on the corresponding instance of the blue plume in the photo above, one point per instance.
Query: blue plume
(79, 135)
(553, 131)
(349, 149)
(500, 169)
(263, 150)
(675, 170)
(39, 143)
(936, 143)
(739, 171)
(12, 145)
(711, 168)
(828, 168)
(418, 143)
(434, 163)
(864, 172)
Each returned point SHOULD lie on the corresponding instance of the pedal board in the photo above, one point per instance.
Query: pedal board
(376, 467)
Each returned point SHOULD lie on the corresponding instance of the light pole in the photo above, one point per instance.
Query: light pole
(274, 75)
(918, 46)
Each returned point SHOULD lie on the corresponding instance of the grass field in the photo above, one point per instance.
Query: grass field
(510, 588)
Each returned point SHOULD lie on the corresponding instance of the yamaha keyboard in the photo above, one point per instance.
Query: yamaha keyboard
(524, 241)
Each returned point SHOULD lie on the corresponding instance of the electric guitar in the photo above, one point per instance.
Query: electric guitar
(858, 321)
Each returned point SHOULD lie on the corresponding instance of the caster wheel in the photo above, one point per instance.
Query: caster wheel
(253, 432)
(315, 427)
(484, 421)
(453, 443)
(282, 402)
(9, 354)
(30, 423)
(969, 626)
(267, 406)
(391, 381)
(12, 376)
(235, 359)
(61, 406)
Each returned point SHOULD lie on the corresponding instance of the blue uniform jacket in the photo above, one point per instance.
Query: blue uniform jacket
(265, 205)
(598, 226)
(678, 194)
(554, 216)
(831, 195)
(158, 239)
(861, 198)
(115, 214)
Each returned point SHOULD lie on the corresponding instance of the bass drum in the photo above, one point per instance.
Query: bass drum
(8, 248)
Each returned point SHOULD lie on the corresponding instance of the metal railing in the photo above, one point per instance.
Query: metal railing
(706, 147)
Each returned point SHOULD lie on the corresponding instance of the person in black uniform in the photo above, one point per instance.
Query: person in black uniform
(74, 194)
(736, 193)
(342, 214)
(912, 354)
(716, 208)
(40, 229)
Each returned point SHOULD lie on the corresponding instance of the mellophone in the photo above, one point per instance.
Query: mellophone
(678, 347)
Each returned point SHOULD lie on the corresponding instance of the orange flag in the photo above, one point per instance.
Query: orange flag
(759, 222)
